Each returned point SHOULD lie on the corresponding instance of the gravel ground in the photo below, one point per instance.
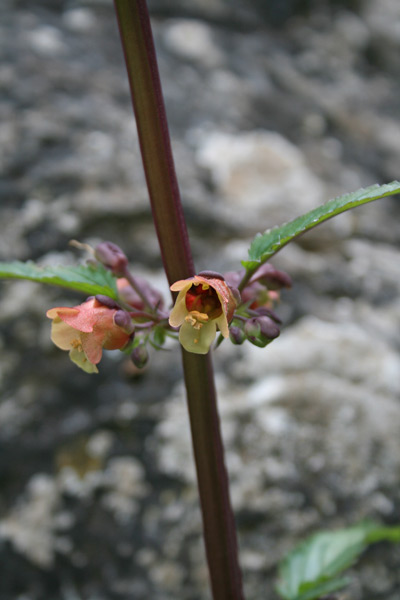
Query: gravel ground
(274, 108)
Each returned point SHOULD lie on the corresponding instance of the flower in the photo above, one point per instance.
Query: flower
(204, 303)
(131, 297)
(85, 330)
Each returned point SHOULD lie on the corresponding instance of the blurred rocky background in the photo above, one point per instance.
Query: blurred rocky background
(274, 106)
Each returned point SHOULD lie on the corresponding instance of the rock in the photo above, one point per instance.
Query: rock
(193, 40)
(274, 108)
(46, 40)
(31, 526)
(258, 175)
(79, 19)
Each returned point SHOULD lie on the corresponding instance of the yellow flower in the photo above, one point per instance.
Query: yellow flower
(203, 304)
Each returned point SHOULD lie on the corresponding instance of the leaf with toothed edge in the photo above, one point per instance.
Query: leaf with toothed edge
(311, 570)
(89, 279)
(269, 243)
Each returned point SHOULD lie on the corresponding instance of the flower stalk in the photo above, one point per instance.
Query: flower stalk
(155, 145)
(218, 520)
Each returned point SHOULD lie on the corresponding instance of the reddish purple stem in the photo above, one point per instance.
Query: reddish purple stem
(218, 520)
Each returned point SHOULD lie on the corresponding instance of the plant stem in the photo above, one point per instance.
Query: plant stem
(218, 520)
(155, 145)
(246, 278)
(219, 527)
(136, 286)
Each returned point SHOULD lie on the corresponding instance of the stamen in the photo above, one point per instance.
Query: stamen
(77, 344)
(196, 319)
(202, 317)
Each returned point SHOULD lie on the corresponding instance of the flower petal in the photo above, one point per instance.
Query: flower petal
(52, 313)
(92, 344)
(182, 284)
(116, 339)
(81, 360)
(62, 335)
(179, 312)
(81, 317)
(224, 293)
(197, 341)
(222, 323)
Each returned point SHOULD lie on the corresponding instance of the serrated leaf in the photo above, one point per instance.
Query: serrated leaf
(307, 572)
(90, 279)
(269, 243)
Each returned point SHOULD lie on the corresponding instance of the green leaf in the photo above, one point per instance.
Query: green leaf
(322, 589)
(269, 243)
(309, 571)
(90, 279)
(159, 335)
(379, 534)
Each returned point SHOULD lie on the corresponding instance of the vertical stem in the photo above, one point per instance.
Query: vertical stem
(218, 520)
(155, 145)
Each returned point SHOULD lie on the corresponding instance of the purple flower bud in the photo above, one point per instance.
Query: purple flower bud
(106, 300)
(212, 274)
(263, 311)
(236, 335)
(140, 356)
(272, 278)
(269, 328)
(260, 331)
(123, 320)
(233, 278)
(112, 257)
(130, 295)
(236, 294)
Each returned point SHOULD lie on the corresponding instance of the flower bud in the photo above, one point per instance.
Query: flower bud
(140, 356)
(236, 335)
(272, 278)
(263, 311)
(260, 331)
(106, 301)
(235, 294)
(130, 296)
(233, 278)
(123, 320)
(212, 274)
(112, 257)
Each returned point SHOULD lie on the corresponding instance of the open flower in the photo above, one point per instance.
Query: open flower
(203, 304)
(85, 330)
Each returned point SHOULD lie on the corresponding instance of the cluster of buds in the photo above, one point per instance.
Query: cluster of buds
(257, 321)
(206, 303)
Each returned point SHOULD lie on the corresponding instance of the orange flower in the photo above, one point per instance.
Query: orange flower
(203, 304)
(85, 330)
